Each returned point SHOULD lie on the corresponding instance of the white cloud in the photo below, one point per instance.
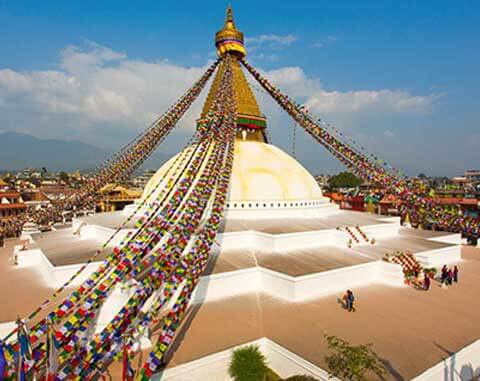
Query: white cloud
(271, 40)
(316, 98)
(265, 47)
(13, 81)
(102, 96)
(325, 41)
(93, 84)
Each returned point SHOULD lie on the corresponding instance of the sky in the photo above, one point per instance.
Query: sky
(398, 77)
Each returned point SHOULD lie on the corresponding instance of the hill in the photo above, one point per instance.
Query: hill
(18, 151)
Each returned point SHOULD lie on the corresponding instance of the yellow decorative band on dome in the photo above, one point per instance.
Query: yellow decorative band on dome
(229, 46)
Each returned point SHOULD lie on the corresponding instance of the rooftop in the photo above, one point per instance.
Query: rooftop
(63, 248)
(411, 330)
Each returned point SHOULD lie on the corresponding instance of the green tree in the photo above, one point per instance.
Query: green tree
(63, 176)
(248, 364)
(351, 362)
(300, 378)
(344, 180)
(8, 179)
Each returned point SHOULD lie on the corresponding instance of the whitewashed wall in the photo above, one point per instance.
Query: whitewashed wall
(296, 289)
(461, 366)
(215, 367)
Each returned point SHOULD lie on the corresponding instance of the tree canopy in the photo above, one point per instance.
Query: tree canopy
(352, 362)
(64, 177)
(344, 180)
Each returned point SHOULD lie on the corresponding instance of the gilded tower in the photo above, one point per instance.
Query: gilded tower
(251, 123)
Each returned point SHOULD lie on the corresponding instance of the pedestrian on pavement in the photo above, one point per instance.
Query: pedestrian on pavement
(426, 282)
(444, 274)
(450, 277)
(455, 274)
(350, 300)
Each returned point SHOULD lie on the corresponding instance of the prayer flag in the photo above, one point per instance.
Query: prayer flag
(3, 363)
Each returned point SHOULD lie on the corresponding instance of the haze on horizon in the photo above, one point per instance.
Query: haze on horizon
(399, 78)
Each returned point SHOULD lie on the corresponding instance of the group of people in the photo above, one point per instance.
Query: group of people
(449, 275)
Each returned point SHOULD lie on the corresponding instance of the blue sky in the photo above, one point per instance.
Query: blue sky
(399, 76)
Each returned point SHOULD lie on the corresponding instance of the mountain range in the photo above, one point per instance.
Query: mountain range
(19, 150)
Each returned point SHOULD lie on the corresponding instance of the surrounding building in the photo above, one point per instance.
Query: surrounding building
(473, 175)
(115, 197)
(11, 204)
(141, 181)
(35, 198)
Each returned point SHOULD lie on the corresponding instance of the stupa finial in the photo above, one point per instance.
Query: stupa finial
(229, 17)
(229, 39)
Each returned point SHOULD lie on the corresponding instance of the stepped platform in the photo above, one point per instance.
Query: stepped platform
(114, 220)
(388, 316)
(412, 330)
(63, 248)
(284, 226)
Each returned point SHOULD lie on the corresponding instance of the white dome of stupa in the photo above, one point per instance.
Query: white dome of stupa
(265, 182)
(264, 179)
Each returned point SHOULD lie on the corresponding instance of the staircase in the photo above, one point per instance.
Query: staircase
(406, 260)
(362, 234)
(352, 235)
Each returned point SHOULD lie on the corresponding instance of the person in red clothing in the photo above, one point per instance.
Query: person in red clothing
(449, 277)
(455, 274)
(426, 282)
(444, 274)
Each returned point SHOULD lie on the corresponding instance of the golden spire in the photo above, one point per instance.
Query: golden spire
(229, 23)
(229, 38)
(250, 120)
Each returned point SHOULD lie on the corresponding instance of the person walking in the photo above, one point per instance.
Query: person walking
(350, 301)
(444, 274)
(450, 277)
(455, 274)
(426, 282)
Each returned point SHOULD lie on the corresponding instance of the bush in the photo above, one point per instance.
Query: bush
(301, 378)
(344, 180)
(272, 376)
(248, 364)
(351, 362)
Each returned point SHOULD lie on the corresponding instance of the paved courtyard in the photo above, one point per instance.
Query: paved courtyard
(411, 330)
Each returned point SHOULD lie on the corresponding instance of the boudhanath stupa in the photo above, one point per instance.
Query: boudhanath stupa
(282, 261)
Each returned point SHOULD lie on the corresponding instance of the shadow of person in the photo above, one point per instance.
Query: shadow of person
(391, 370)
(468, 373)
